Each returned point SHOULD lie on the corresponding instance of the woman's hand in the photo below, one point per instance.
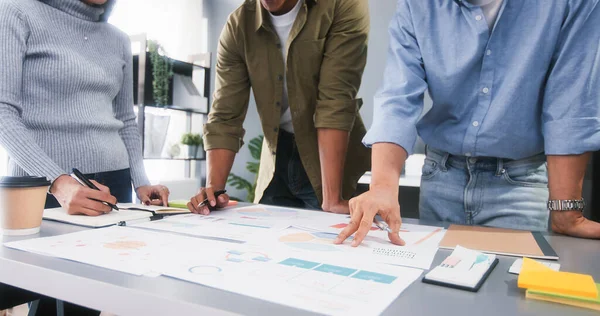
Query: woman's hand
(78, 199)
(153, 195)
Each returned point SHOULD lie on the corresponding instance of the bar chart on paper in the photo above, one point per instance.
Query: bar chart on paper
(307, 283)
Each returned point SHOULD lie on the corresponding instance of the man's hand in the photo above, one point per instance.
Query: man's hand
(382, 200)
(153, 195)
(207, 193)
(340, 207)
(77, 199)
(573, 223)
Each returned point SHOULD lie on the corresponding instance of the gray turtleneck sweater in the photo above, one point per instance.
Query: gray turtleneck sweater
(66, 91)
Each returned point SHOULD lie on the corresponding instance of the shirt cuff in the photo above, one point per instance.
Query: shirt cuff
(223, 142)
(572, 136)
(139, 178)
(337, 114)
(401, 133)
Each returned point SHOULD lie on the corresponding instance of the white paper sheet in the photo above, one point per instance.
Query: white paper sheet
(215, 226)
(112, 218)
(331, 287)
(128, 250)
(515, 268)
(375, 249)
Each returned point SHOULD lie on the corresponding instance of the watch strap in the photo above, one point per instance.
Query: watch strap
(566, 205)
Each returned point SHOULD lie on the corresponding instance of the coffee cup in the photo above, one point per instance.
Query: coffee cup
(22, 202)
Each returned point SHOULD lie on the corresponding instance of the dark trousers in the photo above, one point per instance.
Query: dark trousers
(119, 183)
(290, 186)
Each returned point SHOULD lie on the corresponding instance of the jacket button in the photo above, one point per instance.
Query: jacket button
(273, 153)
(275, 129)
(280, 77)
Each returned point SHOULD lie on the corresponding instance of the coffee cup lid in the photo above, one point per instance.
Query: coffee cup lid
(23, 182)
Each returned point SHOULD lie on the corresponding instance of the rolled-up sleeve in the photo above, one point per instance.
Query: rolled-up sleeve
(571, 110)
(399, 102)
(343, 64)
(224, 129)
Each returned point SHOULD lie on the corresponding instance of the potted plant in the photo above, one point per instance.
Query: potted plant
(162, 73)
(255, 147)
(192, 142)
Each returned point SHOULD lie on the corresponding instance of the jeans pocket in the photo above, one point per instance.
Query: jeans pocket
(430, 169)
(527, 176)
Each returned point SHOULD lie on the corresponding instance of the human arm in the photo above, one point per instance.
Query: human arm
(398, 105)
(344, 59)
(224, 132)
(571, 114)
(129, 133)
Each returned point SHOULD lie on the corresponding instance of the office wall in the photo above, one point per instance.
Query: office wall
(217, 11)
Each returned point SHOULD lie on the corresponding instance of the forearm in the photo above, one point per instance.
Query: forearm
(565, 176)
(219, 163)
(133, 142)
(387, 163)
(333, 146)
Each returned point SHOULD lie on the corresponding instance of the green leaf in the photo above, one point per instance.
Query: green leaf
(255, 146)
(253, 166)
(239, 182)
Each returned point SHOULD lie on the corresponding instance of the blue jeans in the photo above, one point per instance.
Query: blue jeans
(485, 191)
(290, 185)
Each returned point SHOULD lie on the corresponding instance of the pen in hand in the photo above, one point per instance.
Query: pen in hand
(382, 225)
(80, 177)
(205, 202)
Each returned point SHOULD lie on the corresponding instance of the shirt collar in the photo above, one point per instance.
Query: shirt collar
(261, 13)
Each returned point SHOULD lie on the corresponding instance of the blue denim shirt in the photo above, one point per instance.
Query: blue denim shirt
(532, 85)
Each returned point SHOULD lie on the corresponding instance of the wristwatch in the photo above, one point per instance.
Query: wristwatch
(566, 205)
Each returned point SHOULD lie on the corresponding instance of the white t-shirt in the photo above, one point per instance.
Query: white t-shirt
(283, 26)
(490, 9)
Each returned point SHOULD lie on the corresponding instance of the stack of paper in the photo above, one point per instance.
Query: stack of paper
(543, 283)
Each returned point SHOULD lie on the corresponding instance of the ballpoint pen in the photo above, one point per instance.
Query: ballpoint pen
(85, 182)
(382, 225)
(217, 193)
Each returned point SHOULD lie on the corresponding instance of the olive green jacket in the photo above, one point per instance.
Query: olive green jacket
(327, 52)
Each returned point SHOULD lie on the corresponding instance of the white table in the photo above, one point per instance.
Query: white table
(125, 294)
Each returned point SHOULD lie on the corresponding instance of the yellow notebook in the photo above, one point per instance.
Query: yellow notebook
(536, 276)
(578, 301)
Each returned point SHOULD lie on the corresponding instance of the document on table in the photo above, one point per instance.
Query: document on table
(332, 287)
(217, 226)
(336, 286)
(376, 248)
(421, 241)
(129, 250)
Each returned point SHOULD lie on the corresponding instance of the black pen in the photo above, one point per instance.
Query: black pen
(216, 196)
(85, 182)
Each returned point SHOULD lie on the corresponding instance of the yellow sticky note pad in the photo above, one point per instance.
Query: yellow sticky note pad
(536, 276)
